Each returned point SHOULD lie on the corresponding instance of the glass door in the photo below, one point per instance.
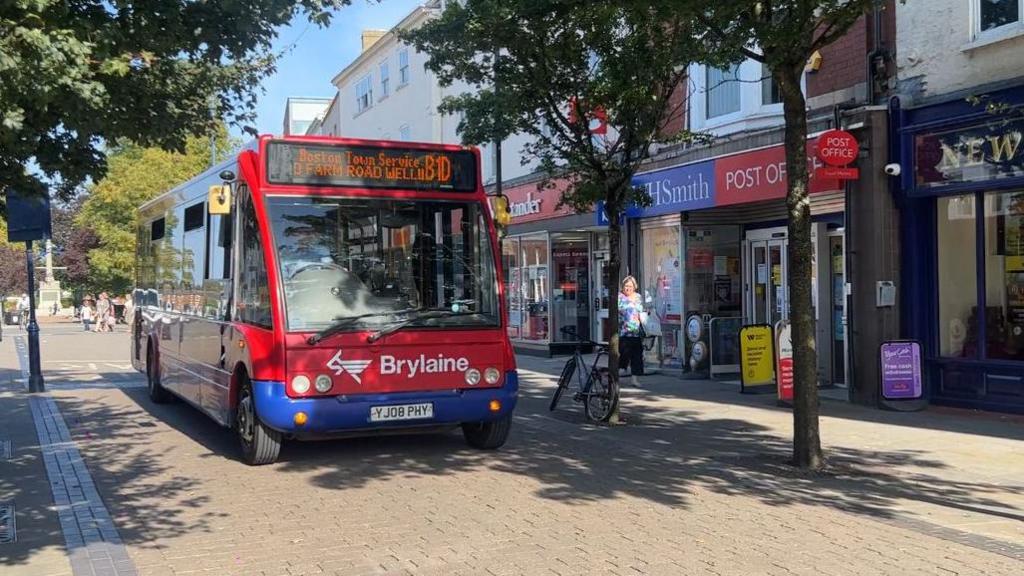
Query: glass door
(570, 288)
(603, 289)
(778, 300)
(759, 273)
(837, 273)
(768, 301)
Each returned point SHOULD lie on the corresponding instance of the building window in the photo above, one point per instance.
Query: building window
(723, 91)
(403, 67)
(404, 133)
(994, 14)
(385, 80)
(769, 89)
(364, 94)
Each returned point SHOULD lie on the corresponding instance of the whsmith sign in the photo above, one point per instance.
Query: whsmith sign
(990, 151)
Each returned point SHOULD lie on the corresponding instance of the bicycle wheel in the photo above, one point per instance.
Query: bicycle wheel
(563, 382)
(601, 397)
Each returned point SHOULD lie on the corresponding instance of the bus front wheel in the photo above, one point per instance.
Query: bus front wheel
(488, 435)
(260, 445)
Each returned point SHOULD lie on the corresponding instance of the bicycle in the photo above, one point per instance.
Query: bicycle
(597, 393)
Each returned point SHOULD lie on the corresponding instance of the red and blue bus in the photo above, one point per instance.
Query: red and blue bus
(321, 287)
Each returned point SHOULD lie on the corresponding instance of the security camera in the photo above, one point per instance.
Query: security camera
(893, 169)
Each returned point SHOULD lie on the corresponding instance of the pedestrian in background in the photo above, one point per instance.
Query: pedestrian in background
(87, 315)
(102, 312)
(631, 330)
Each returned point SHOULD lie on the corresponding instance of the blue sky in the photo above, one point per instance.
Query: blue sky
(320, 53)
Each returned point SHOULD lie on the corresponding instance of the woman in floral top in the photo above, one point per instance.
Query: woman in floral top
(631, 349)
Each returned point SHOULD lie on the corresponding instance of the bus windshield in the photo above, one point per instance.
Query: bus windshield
(370, 262)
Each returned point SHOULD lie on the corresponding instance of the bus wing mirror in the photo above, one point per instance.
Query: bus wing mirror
(500, 208)
(220, 199)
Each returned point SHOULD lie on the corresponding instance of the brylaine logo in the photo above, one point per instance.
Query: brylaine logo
(422, 364)
(353, 367)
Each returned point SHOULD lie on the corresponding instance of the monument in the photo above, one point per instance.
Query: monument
(49, 288)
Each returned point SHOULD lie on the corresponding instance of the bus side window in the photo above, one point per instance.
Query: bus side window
(253, 306)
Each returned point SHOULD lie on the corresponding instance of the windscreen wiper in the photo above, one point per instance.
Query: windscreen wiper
(343, 322)
(403, 323)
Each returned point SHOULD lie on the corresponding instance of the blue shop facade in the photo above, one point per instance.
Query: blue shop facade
(961, 202)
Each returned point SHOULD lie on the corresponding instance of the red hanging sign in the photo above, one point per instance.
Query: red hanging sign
(837, 149)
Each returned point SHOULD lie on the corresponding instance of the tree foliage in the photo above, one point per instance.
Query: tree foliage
(783, 34)
(547, 69)
(76, 75)
(136, 175)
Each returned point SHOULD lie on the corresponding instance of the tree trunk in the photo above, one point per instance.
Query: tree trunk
(806, 440)
(614, 265)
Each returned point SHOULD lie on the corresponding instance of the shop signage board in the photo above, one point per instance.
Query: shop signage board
(901, 370)
(991, 151)
(757, 355)
(532, 202)
(784, 361)
(837, 149)
(735, 179)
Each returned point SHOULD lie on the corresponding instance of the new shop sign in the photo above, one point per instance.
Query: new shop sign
(990, 151)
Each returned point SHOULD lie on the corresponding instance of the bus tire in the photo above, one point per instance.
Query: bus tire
(157, 393)
(488, 435)
(260, 445)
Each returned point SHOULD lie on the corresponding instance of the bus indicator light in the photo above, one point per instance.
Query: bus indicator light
(300, 418)
(495, 406)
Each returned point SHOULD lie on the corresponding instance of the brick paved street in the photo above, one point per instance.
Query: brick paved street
(696, 484)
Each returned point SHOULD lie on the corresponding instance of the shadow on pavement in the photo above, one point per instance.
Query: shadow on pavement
(662, 456)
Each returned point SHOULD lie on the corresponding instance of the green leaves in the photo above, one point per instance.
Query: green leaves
(76, 75)
(515, 66)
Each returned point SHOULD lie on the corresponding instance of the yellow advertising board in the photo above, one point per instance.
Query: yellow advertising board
(757, 358)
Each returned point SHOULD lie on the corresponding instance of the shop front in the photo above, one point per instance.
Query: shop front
(553, 260)
(712, 258)
(963, 212)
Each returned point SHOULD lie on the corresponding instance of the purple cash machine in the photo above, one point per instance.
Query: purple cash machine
(902, 376)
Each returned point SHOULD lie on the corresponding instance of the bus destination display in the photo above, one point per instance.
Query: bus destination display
(366, 167)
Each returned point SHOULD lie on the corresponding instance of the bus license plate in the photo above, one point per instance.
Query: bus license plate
(401, 412)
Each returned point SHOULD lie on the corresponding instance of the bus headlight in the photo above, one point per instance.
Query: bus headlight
(491, 375)
(472, 376)
(323, 383)
(300, 384)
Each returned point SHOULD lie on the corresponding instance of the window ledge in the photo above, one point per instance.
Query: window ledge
(1008, 32)
(400, 86)
(383, 98)
(363, 111)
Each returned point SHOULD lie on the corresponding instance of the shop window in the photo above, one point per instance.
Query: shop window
(1004, 275)
(957, 277)
(534, 287)
(661, 284)
(513, 286)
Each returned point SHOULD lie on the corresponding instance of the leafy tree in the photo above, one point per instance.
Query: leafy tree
(75, 258)
(136, 175)
(547, 68)
(78, 74)
(783, 34)
(13, 274)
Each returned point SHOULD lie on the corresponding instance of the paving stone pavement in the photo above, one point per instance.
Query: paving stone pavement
(691, 486)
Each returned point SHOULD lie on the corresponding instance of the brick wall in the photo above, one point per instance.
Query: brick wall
(844, 62)
(678, 107)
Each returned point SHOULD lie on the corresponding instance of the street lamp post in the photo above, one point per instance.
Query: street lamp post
(35, 372)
